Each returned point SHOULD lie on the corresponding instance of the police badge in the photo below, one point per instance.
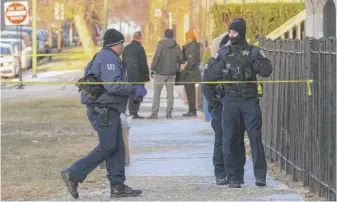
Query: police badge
(245, 52)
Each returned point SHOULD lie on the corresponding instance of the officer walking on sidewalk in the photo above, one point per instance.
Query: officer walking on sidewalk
(105, 103)
(241, 62)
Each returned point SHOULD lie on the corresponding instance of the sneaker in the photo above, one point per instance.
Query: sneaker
(124, 191)
(260, 182)
(71, 185)
(136, 116)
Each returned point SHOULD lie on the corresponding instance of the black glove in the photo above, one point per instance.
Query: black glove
(256, 64)
(138, 99)
(220, 91)
(152, 73)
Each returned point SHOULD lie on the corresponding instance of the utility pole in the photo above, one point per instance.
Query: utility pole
(34, 41)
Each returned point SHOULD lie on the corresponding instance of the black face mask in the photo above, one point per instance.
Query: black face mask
(235, 40)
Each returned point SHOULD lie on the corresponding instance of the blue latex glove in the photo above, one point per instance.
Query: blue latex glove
(140, 90)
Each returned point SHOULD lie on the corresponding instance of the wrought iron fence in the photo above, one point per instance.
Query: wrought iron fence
(299, 129)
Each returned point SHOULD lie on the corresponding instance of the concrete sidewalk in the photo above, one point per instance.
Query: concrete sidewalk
(172, 160)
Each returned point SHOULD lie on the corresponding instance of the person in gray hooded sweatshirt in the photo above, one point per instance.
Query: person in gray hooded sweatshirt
(164, 66)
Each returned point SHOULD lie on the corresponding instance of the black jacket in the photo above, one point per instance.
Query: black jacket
(109, 68)
(135, 61)
(241, 62)
(191, 53)
(209, 92)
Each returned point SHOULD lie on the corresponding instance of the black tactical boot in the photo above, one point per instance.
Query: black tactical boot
(169, 115)
(260, 182)
(71, 185)
(153, 116)
(234, 184)
(124, 191)
(241, 180)
(190, 114)
(221, 181)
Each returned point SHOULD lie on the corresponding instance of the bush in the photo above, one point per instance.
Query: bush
(261, 18)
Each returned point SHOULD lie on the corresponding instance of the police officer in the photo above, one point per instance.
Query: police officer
(213, 94)
(242, 62)
(104, 107)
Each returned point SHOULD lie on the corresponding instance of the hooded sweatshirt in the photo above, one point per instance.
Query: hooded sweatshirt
(167, 57)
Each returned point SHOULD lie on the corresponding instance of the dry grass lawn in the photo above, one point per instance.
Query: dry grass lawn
(39, 138)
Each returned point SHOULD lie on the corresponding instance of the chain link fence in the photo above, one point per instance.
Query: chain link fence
(299, 129)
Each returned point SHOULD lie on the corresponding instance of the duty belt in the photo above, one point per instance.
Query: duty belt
(246, 93)
(101, 106)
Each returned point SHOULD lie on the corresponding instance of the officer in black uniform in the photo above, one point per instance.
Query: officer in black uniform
(105, 103)
(241, 62)
(213, 94)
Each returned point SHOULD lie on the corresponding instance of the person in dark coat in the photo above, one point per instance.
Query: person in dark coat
(191, 72)
(135, 60)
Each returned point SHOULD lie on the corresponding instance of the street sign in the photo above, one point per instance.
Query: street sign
(157, 12)
(16, 13)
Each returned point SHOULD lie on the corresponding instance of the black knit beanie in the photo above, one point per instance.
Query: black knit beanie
(168, 33)
(112, 37)
(238, 25)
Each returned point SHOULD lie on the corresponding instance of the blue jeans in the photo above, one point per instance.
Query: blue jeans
(218, 157)
(234, 111)
(110, 148)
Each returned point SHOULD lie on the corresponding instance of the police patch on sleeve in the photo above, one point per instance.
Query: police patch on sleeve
(262, 53)
(216, 55)
(111, 66)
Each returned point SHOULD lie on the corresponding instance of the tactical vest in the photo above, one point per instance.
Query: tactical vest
(238, 68)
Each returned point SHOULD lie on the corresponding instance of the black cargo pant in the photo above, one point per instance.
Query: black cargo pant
(110, 148)
(236, 109)
(218, 157)
(134, 107)
(190, 92)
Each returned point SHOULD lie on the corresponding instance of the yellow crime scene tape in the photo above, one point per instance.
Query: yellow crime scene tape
(54, 54)
(203, 82)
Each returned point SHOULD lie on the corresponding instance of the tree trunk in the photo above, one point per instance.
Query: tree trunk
(84, 34)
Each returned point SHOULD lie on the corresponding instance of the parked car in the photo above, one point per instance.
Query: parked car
(42, 40)
(15, 35)
(26, 52)
(8, 62)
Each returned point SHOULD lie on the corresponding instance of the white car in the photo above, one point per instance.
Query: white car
(14, 35)
(26, 52)
(8, 62)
